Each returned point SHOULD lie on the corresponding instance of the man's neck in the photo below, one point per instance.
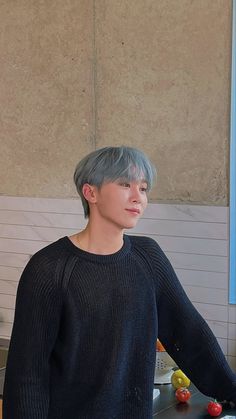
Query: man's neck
(100, 241)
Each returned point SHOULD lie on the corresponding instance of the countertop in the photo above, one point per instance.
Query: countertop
(167, 407)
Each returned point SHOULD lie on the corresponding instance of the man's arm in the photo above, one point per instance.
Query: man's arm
(37, 317)
(187, 337)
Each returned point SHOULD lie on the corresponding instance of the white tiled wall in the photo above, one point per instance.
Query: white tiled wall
(195, 238)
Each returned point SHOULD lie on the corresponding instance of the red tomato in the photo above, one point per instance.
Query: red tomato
(182, 394)
(214, 408)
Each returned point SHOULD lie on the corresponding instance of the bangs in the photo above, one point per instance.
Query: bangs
(132, 165)
(133, 173)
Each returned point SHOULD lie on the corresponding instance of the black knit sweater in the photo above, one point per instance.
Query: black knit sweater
(84, 347)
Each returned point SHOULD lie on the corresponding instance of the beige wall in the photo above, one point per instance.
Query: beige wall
(77, 75)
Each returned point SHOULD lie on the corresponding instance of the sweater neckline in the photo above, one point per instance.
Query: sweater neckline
(110, 258)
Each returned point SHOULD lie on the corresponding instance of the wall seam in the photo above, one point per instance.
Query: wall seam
(94, 78)
(232, 206)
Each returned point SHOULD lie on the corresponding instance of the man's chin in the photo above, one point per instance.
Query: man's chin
(130, 226)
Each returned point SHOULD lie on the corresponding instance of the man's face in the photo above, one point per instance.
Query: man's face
(121, 203)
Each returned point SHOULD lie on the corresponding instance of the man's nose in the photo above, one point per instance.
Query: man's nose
(136, 195)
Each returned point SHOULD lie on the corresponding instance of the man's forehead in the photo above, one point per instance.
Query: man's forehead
(133, 179)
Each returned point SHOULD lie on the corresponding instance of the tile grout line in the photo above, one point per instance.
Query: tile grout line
(94, 139)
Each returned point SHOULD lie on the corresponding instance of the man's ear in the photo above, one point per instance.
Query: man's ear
(89, 192)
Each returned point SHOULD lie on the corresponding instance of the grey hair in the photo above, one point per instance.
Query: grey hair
(109, 164)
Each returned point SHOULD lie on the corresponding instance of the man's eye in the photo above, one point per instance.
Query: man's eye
(126, 185)
(143, 189)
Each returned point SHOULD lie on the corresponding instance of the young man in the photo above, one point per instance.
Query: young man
(90, 308)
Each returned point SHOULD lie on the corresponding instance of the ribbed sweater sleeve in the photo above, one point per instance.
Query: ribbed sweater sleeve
(186, 335)
(37, 316)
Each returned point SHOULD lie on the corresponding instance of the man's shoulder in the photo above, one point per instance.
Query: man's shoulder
(148, 247)
(52, 249)
(49, 256)
(150, 250)
(144, 242)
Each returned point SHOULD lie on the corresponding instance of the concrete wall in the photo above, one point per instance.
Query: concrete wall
(77, 75)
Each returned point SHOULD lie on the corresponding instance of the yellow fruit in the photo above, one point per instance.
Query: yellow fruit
(179, 379)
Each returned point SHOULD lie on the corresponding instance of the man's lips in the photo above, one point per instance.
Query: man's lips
(133, 210)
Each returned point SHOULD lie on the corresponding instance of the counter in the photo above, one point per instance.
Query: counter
(165, 406)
